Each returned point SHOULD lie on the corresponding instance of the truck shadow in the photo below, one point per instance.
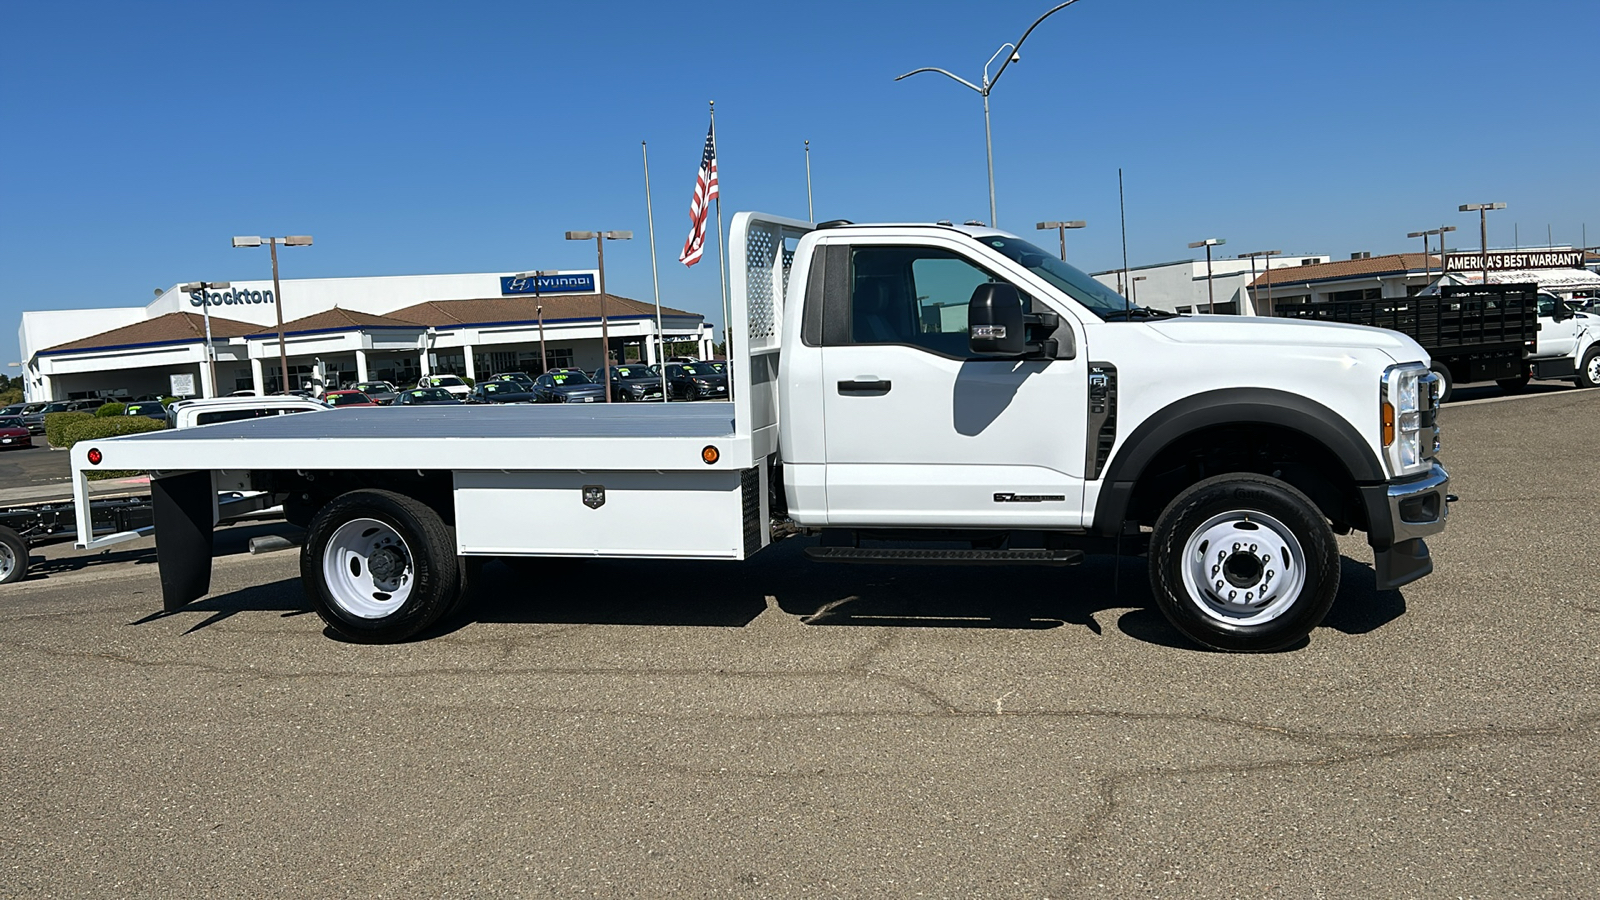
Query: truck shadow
(730, 595)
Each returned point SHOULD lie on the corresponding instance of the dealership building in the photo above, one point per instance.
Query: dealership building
(341, 330)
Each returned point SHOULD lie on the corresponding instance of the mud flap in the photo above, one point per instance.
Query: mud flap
(183, 508)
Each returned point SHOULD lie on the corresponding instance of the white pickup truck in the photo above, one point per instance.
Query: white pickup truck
(908, 394)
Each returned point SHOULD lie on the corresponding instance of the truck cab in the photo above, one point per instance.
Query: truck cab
(1568, 341)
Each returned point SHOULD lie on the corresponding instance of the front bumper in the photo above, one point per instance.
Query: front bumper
(1399, 516)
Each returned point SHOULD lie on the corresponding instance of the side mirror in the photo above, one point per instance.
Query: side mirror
(995, 324)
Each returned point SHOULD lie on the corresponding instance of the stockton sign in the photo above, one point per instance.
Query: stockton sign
(1510, 260)
(228, 298)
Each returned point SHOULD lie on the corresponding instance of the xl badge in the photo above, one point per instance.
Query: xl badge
(594, 495)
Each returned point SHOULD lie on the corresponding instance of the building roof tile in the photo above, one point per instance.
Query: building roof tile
(454, 313)
(1393, 264)
(172, 328)
(338, 319)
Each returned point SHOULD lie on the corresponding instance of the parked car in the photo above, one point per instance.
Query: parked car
(13, 434)
(458, 389)
(34, 421)
(631, 383)
(519, 377)
(342, 399)
(501, 392)
(379, 392)
(215, 410)
(695, 381)
(566, 386)
(150, 408)
(425, 396)
(14, 409)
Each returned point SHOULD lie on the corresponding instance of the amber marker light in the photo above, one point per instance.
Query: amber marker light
(1388, 424)
(710, 455)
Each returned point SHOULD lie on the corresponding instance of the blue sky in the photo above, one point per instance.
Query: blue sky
(136, 138)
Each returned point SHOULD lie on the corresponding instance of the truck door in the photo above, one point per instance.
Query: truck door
(1556, 339)
(920, 432)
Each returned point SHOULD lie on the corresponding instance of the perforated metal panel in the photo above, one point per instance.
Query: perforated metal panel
(765, 310)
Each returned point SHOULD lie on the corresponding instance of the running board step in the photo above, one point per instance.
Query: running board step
(946, 557)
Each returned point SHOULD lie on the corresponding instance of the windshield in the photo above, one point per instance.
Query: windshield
(427, 394)
(630, 372)
(10, 422)
(699, 370)
(369, 387)
(347, 399)
(445, 381)
(504, 387)
(1099, 299)
(569, 378)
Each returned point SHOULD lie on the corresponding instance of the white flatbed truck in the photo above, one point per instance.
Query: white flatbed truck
(898, 390)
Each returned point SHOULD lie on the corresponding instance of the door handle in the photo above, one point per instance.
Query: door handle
(873, 388)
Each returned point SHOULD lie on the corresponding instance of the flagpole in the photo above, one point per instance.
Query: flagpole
(650, 216)
(810, 211)
(722, 263)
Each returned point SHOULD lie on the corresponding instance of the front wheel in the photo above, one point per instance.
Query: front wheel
(1244, 563)
(379, 566)
(1589, 372)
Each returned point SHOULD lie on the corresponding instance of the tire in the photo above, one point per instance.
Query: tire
(1589, 372)
(1247, 511)
(13, 556)
(1513, 385)
(369, 530)
(1447, 385)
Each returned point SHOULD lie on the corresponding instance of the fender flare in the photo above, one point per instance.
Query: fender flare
(1229, 406)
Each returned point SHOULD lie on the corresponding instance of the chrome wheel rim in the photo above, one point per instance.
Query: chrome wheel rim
(1243, 568)
(1593, 369)
(368, 569)
(8, 561)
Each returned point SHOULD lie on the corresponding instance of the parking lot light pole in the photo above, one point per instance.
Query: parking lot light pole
(1061, 229)
(205, 309)
(293, 240)
(988, 85)
(544, 357)
(1267, 255)
(1482, 209)
(1208, 243)
(600, 238)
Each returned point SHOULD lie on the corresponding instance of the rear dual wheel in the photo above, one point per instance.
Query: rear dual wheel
(380, 567)
(13, 556)
(1244, 562)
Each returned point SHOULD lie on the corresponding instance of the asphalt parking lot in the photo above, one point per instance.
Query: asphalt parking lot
(781, 729)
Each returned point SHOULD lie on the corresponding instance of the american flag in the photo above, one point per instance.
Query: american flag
(705, 190)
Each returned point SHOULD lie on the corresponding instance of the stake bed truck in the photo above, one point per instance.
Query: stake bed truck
(898, 390)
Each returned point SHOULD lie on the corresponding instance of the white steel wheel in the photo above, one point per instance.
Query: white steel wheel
(1243, 562)
(367, 568)
(13, 556)
(1589, 372)
(1243, 567)
(379, 566)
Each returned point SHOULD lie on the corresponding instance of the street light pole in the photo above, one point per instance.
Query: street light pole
(205, 308)
(293, 240)
(544, 356)
(988, 85)
(1211, 294)
(1061, 229)
(1267, 255)
(1482, 209)
(600, 237)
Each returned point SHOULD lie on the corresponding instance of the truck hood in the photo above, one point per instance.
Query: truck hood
(1258, 330)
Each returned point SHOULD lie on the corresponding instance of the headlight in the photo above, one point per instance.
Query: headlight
(1407, 417)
